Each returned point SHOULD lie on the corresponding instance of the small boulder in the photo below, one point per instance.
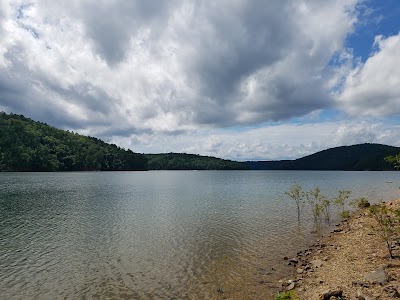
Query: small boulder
(294, 260)
(361, 296)
(327, 295)
(317, 263)
(379, 276)
(291, 286)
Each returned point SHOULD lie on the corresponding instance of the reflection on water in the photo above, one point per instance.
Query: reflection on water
(157, 235)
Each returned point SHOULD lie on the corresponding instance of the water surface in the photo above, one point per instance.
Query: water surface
(158, 234)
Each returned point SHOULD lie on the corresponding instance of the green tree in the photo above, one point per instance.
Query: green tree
(26, 145)
(315, 200)
(297, 194)
(341, 201)
(394, 159)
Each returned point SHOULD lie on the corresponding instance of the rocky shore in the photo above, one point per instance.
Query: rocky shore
(351, 263)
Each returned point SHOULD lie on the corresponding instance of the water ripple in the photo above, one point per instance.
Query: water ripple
(152, 235)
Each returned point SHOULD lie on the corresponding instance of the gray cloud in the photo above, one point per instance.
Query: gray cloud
(113, 25)
(24, 94)
(142, 68)
(240, 42)
(221, 64)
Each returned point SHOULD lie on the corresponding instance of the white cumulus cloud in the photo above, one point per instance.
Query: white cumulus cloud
(372, 88)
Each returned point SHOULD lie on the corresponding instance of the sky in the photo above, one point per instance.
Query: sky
(236, 79)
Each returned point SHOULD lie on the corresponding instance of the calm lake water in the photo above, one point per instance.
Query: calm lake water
(158, 235)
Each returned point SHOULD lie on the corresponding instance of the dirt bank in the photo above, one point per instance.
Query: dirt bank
(341, 262)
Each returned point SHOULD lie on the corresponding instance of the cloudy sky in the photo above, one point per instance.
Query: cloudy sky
(237, 79)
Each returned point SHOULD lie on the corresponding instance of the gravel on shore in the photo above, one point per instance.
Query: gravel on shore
(351, 263)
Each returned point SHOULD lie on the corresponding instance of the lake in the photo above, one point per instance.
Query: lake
(159, 234)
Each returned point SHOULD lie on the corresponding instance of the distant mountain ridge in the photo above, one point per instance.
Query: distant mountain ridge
(361, 157)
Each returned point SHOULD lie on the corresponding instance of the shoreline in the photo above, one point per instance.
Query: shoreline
(339, 263)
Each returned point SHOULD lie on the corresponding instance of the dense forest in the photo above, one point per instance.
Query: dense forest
(348, 158)
(182, 161)
(26, 145)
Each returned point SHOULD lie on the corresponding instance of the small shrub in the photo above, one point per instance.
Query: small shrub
(394, 159)
(289, 295)
(297, 194)
(345, 214)
(315, 199)
(362, 202)
(387, 225)
(341, 200)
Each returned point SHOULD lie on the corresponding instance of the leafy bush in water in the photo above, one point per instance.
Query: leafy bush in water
(341, 201)
(297, 194)
(316, 201)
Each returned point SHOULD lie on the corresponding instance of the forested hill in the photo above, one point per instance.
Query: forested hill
(348, 158)
(26, 145)
(182, 161)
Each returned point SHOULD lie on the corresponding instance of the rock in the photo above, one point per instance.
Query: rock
(299, 271)
(392, 291)
(317, 263)
(285, 258)
(379, 276)
(294, 260)
(360, 283)
(326, 295)
(333, 298)
(291, 286)
(361, 296)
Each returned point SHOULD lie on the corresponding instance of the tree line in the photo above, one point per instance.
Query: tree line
(27, 145)
(183, 161)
